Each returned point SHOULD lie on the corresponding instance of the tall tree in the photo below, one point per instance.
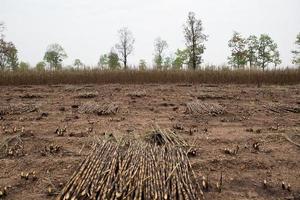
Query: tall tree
(8, 52)
(193, 32)
(159, 47)
(252, 50)
(237, 44)
(296, 52)
(113, 60)
(125, 45)
(54, 55)
(181, 57)
(8, 56)
(267, 52)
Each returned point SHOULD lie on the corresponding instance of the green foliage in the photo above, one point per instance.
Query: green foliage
(194, 40)
(256, 51)
(54, 55)
(167, 63)
(113, 61)
(78, 63)
(23, 66)
(252, 50)
(142, 65)
(103, 61)
(267, 52)
(181, 57)
(40, 66)
(296, 57)
(276, 59)
(237, 44)
(8, 56)
(159, 47)
(158, 61)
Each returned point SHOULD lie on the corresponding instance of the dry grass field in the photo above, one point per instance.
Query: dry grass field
(208, 75)
(246, 133)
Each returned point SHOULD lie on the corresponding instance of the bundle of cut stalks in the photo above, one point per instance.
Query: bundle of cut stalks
(72, 88)
(162, 137)
(103, 109)
(17, 109)
(280, 108)
(133, 170)
(140, 93)
(30, 96)
(87, 95)
(200, 107)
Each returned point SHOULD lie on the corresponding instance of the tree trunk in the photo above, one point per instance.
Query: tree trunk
(125, 63)
(125, 58)
(194, 60)
(194, 54)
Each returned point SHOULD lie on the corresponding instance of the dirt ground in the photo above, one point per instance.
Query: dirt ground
(257, 120)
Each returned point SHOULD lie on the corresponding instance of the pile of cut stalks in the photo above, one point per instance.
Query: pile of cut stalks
(99, 109)
(133, 169)
(200, 107)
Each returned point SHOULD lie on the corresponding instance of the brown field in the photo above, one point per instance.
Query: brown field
(50, 129)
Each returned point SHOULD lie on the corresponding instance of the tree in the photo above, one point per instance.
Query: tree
(181, 57)
(167, 63)
(54, 55)
(2, 28)
(103, 61)
(159, 47)
(252, 50)
(23, 66)
(194, 40)
(8, 56)
(267, 52)
(276, 59)
(142, 65)
(125, 45)
(40, 66)
(296, 57)
(113, 61)
(78, 63)
(237, 44)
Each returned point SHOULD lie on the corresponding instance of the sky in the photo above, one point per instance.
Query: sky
(88, 28)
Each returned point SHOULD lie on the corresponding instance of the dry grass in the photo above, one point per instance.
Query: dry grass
(96, 76)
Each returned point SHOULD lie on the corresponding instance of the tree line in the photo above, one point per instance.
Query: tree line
(253, 51)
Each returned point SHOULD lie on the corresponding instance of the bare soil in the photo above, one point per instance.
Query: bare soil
(54, 138)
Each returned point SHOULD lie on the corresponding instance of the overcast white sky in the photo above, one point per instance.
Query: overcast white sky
(88, 28)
